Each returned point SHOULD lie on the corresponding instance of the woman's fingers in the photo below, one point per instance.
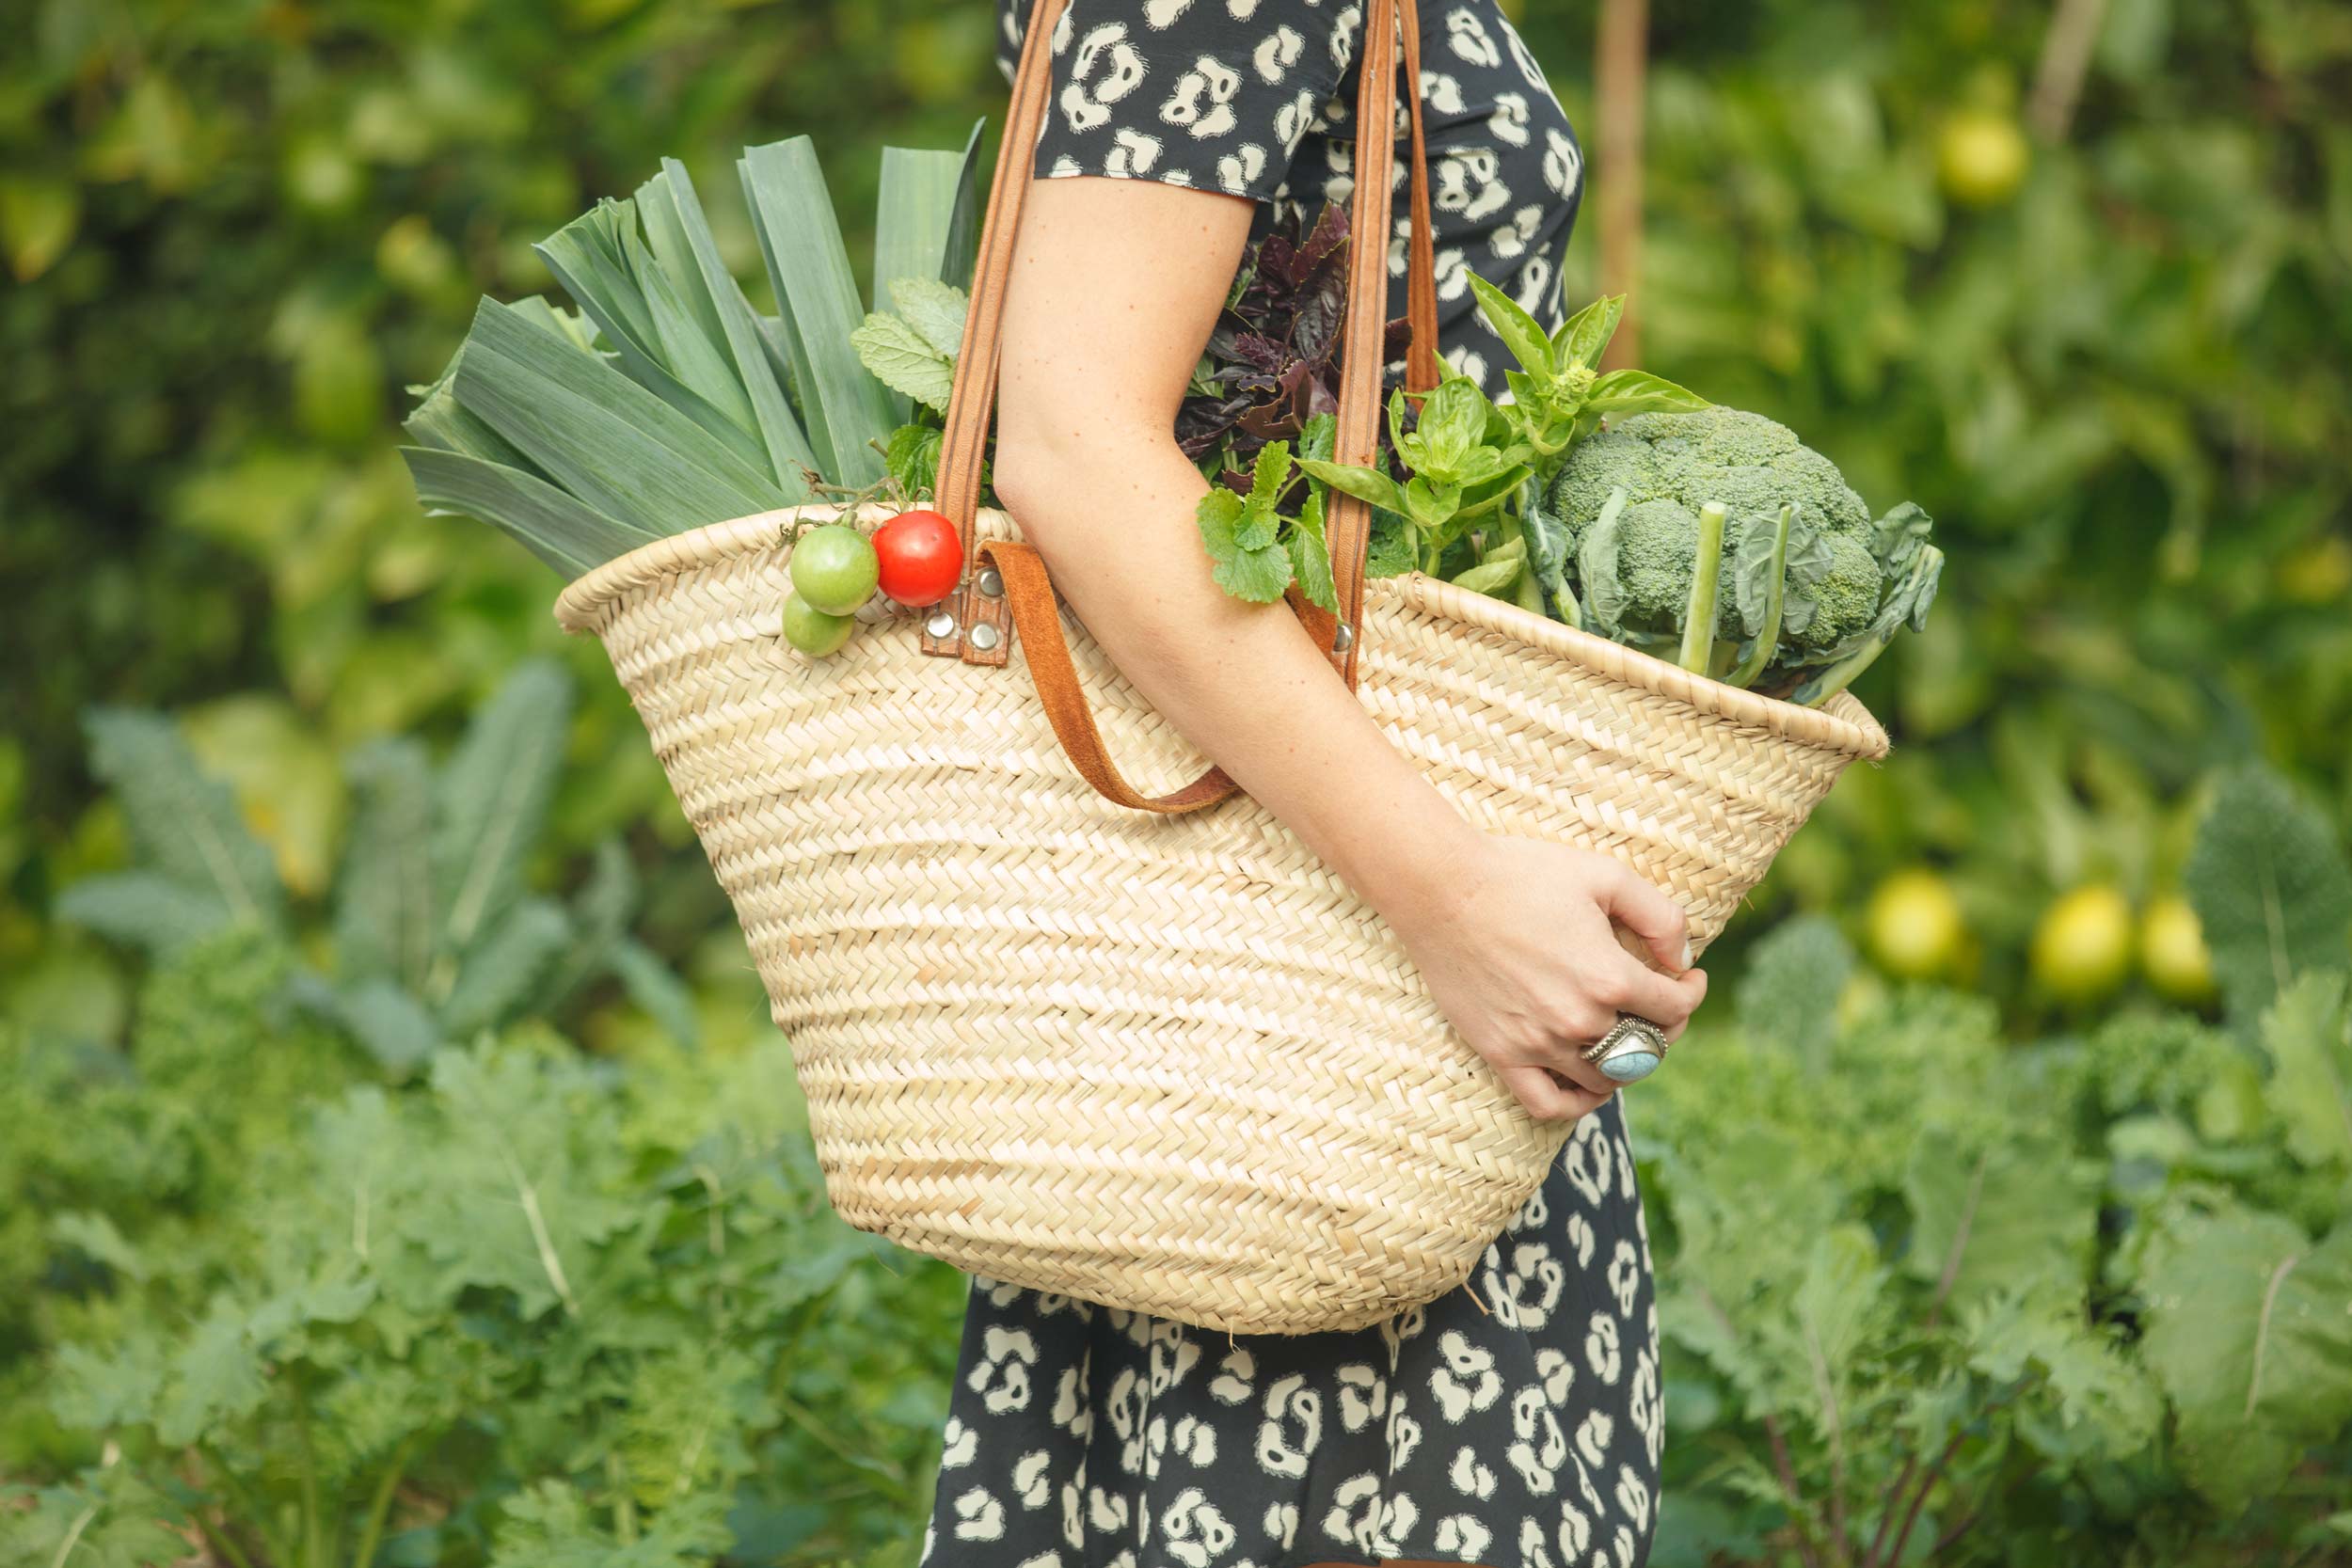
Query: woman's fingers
(1547, 1097)
(1637, 904)
(1667, 1001)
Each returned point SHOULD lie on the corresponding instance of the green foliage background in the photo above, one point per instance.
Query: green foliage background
(236, 229)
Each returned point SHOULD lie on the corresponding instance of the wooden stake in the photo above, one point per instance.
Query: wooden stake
(1621, 61)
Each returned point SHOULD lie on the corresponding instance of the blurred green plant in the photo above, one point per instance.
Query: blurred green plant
(531, 1310)
(2078, 1300)
(436, 934)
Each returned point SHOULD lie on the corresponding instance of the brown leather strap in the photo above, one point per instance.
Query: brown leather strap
(1025, 591)
(972, 396)
(1031, 594)
(1347, 520)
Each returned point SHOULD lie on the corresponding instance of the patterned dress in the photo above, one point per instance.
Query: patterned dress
(1515, 1422)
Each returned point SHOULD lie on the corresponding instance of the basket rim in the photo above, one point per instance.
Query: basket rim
(1853, 731)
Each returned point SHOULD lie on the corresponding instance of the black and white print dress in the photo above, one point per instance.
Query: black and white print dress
(1520, 1429)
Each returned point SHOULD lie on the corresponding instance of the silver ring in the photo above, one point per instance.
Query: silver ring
(1631, 1052)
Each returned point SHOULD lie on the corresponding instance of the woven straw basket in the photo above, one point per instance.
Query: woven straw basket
(1167, 1063)
(1161, 1059)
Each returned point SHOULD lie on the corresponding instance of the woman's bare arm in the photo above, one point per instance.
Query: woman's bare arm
(1115, 286)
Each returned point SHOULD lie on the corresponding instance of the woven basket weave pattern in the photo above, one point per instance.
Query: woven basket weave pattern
(1170, 1063)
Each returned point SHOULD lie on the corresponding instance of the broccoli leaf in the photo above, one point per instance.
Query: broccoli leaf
(1547, 539)
(2247, 1331)
(1597, 567)
(1896, 539)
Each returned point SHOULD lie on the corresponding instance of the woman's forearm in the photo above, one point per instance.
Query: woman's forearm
(1113, 515)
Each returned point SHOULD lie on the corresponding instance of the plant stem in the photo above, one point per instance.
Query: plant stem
(246, 1503)
(380, 1505)
(1706, 569)
(313, 1541)
(1788, 1472)
(624, 1502)
(74, 1536)
(1918, 1498)
(218, 1540)
(1894, 1505)
(1807, 1527)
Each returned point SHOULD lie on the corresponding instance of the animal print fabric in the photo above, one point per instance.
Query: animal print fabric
(1256, 98)
(1515, 1422)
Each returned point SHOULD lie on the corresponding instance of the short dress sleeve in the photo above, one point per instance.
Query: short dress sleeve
(1214, 94)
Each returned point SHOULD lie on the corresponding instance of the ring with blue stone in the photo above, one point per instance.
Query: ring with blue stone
(1631, 1052)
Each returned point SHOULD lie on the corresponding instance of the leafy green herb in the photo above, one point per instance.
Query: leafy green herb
(1257, 553)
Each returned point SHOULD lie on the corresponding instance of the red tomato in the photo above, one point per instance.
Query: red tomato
(921, 557)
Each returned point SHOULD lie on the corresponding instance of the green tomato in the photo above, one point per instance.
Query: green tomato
(811, 631)
(834, 568)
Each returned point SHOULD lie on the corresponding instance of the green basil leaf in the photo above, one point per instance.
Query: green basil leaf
(1583, 335)
(1368, 484)
(1452, 421)
(1640, 393)
(1431, 506)
(1515, 327)
(1494, 578)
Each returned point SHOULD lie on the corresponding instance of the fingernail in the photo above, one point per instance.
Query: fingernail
(1686, 952)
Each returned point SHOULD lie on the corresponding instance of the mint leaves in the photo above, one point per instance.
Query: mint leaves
(1255, 552)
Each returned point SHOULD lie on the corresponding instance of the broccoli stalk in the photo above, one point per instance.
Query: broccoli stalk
(1767, 639)
(1707, 571)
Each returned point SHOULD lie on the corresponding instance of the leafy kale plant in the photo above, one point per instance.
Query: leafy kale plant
(436, 933)
(1991, 1302)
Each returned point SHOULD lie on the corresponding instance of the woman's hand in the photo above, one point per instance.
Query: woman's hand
(1520, 951)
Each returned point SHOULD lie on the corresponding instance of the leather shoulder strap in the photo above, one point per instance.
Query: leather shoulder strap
(1027, 594)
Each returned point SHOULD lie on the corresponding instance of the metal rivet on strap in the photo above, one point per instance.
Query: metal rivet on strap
(1343, 638)
(992, 583)
(983, 637)
(941, 625)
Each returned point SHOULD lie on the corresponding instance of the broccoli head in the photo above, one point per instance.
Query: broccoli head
(1799, 605)
(1747, 462)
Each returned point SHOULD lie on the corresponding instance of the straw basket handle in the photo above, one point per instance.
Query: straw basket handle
(1027, 592)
